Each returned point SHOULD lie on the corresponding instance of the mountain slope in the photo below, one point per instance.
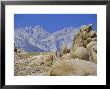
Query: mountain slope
(36, 39)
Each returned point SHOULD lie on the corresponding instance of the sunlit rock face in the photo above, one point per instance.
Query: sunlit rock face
(85, 44)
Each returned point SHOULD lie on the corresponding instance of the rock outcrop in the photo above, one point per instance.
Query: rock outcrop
(85, 44)
(75, 67)
(81, 53)
(63, 49)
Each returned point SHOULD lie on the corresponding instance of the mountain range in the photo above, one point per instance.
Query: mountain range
(37, 39)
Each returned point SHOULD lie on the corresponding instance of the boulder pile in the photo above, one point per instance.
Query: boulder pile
(82, 59)
(85, 44)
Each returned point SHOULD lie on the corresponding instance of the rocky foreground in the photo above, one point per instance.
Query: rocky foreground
(80, 60)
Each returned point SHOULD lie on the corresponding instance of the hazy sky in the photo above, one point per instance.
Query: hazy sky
(54, 22)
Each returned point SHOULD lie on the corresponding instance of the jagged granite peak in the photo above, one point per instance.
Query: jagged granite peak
(36, 38)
